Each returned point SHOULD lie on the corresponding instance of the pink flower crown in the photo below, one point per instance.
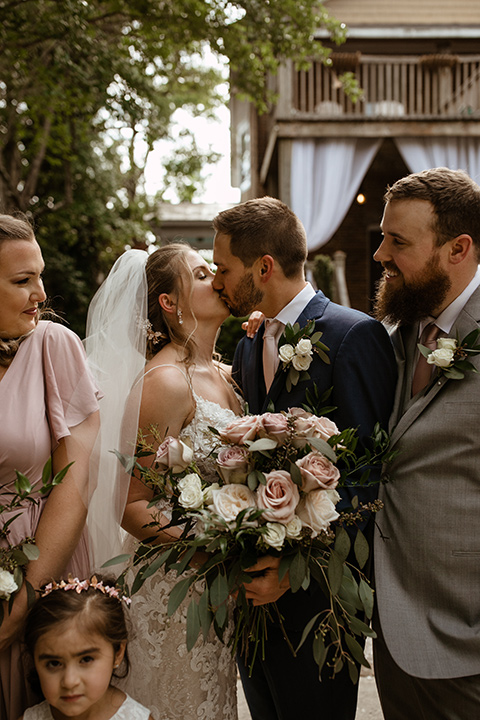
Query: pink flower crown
(79, 585)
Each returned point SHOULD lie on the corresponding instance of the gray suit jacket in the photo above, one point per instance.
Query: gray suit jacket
(427, 543)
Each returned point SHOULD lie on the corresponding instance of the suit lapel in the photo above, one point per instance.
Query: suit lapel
(467, 321)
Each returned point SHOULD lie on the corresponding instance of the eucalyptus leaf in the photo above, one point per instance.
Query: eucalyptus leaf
(47, 472)
(31, 551)
(360, 628)
(193, 624)
(117, 560)
(342, 543)
(306, 630)
(361, 548)
(204, 613)
(261, 444)
(356, 650)
(319, 651)
(353, 672)
(335, 572)
(297, 571)
(219, 590)
(178, 593)
(366, 595)
(323, 447)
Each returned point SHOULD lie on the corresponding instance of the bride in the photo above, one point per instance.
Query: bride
(181, 390)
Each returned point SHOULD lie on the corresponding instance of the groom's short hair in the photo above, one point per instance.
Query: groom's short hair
(265, 226)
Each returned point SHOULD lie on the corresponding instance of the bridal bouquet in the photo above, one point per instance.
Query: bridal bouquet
(271, 490)
(14, 558)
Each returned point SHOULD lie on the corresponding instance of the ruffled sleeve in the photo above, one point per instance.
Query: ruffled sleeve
(71, 393)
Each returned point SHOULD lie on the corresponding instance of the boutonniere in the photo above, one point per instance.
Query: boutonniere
(296, 348)
(451, 356)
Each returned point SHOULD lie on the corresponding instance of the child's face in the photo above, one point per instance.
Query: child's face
(75, 669)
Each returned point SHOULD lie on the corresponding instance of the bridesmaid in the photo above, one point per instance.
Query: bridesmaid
(49, 408)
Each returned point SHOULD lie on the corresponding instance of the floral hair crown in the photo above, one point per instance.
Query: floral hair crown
(79, 585)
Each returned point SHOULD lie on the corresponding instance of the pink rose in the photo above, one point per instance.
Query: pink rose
(317, 511)
(242, 429)
(274, 426)
(173, 455)
(308, 425)
(317, 472)
(232, 464)
(278, 497)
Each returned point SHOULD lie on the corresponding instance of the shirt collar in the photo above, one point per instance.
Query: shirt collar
(290, 312)
(447, 318)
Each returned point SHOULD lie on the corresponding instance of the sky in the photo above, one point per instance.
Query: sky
(210, 135)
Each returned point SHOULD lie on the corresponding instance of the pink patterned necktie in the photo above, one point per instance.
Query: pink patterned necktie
(270, 351)
(423, 371)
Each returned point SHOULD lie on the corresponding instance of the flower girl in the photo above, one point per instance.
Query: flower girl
(76, 635)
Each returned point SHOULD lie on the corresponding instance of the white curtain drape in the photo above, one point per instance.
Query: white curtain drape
(325, 176)
(456, 153)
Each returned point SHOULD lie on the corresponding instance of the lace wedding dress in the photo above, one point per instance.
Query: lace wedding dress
(171, 682)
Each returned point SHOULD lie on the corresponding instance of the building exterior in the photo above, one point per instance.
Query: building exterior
(418, 63)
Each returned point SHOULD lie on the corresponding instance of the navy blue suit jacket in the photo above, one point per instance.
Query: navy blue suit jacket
(362, 372)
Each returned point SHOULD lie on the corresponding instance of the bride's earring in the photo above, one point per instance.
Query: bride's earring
(179, 316)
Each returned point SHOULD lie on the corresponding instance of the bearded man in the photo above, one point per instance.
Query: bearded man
(427, 551)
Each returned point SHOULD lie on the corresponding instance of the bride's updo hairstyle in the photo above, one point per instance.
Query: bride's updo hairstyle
(13, 228)
(168, 272)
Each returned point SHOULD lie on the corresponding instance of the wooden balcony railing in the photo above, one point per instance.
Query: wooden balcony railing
(402, 88)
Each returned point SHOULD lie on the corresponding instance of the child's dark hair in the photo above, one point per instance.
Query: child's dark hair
(95, 611)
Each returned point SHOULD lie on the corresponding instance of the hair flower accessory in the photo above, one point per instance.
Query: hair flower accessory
(79, 585)
(451, 356)
(296, 348)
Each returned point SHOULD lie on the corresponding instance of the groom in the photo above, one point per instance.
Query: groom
(260, 250)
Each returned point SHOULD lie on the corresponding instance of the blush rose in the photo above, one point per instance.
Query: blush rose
(173, 454)
(232, 464)
(278, 497)
(317, 472)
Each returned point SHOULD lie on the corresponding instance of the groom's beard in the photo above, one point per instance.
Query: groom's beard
(246, 297)
(410, 303)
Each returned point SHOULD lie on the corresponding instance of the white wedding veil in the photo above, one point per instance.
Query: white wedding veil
(115, 345)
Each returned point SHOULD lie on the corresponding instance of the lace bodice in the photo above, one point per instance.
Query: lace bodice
(129, 710)
(203, 441)
(174, 683)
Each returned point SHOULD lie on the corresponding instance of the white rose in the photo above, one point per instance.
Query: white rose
(275, 535)
(286, 353)
(304, 347)
(317, 511)
(229, 500)
(208, 493)
(191, 495)
(294, 528)
(301, 362)
(441, 358)
(446, 344)
(7, 584)
(334, 496)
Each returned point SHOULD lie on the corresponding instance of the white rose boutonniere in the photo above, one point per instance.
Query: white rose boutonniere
(296, 351)
(451, 356)
(7, 584)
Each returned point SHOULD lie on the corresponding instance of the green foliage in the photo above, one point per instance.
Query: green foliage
(323, 274)
(81, 82)
(230, 335)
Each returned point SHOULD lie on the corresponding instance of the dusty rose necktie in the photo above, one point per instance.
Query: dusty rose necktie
(423, 371)
(270, 351)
